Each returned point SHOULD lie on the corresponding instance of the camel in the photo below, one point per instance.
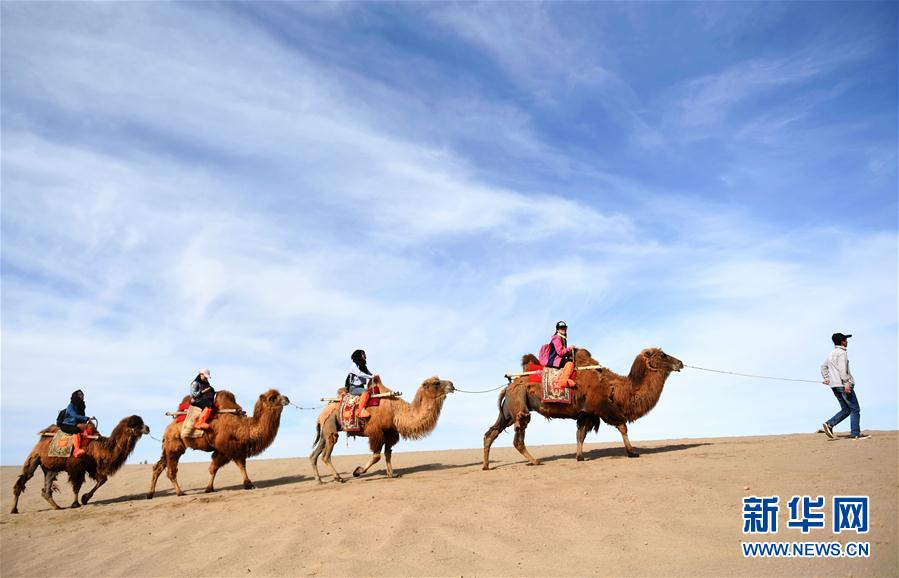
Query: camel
(600, 395)
(103, 458)
(391, 419)
(231, 437)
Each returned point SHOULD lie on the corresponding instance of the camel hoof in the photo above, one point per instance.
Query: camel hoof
(209, 490)
(14, 511)
(149, 496)
(249, 486)
(580, 458)
(75, 504)
(633, 455)
(357, 472)
(537, 463)
(86, 498)
(340, 480)
(485, 467)
(179, 493)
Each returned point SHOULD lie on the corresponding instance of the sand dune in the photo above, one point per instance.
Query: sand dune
(677, 510)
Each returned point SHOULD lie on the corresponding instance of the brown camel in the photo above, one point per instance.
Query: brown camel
(231, 437)
(600, 394)
(103, 458)
(391, 419)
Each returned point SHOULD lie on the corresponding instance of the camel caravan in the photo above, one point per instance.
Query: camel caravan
(563, 382)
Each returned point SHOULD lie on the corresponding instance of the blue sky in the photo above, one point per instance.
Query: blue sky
(263, 187)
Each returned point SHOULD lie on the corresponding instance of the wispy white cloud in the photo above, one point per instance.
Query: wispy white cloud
(172, 200)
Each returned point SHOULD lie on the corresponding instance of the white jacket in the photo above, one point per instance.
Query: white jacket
(836, 368)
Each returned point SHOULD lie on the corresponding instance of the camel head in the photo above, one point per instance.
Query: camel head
(528, 359)
(658, 360)
(436, 387)
(274, 398)
(136, 425)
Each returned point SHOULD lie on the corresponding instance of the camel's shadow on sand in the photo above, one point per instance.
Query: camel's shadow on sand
(406, 471)
(260, 484)
(613, 452)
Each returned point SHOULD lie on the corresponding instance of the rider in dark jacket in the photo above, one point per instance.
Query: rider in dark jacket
(75, 421)
(202, 395)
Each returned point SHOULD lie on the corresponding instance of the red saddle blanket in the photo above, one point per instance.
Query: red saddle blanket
(185, 405)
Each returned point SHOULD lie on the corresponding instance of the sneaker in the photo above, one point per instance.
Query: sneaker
(859, 437)
(828, 430)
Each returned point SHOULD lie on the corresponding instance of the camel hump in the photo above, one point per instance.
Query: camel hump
(224, 399)
(376, 380)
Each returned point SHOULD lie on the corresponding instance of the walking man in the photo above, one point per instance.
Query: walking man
(835, 371)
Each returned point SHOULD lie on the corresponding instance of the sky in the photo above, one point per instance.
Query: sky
(262, 188)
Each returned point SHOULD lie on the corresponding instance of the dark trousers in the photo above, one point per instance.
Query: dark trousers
(205, 400)
(848, 407)
(70, 429)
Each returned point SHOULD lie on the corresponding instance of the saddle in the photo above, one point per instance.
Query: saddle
(187, 415)
(61, 445)
(348, 409)
(551, 390)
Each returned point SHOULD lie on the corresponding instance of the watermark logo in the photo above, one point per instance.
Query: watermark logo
(806, 513)
(760, 515)
(848, 514)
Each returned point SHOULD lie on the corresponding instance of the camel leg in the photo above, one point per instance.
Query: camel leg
(218, 460)
(157, 470)
(521, 424)
(77, 480)
(330, 442)
(631, 452)
(50, 487)
(172, 469)
(101, 479)
(28, 470)
(375, 444)
(317, 451)
(375, 458)
(502, 422)
(242, 466)
(583, 426)
(390, 440)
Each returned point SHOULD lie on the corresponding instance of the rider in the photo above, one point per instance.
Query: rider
(202, 395)
(75, 421)
(562, 356)
(358, 381)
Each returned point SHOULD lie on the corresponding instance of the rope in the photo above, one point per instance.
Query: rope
(305, 408)
(154, 437)
(750, 375)
(481, 390)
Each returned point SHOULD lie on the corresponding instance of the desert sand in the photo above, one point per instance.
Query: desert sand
(676, 510)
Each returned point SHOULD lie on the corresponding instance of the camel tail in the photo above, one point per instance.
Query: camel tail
(318, 434)
(503, 419)
(501, 399)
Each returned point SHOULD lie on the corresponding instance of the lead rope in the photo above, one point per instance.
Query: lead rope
(480, 390)
(305, 408)
(751, 375)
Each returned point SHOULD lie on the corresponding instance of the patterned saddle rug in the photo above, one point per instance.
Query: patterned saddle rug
(552, 392)
(61, 445)
(349, 421)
